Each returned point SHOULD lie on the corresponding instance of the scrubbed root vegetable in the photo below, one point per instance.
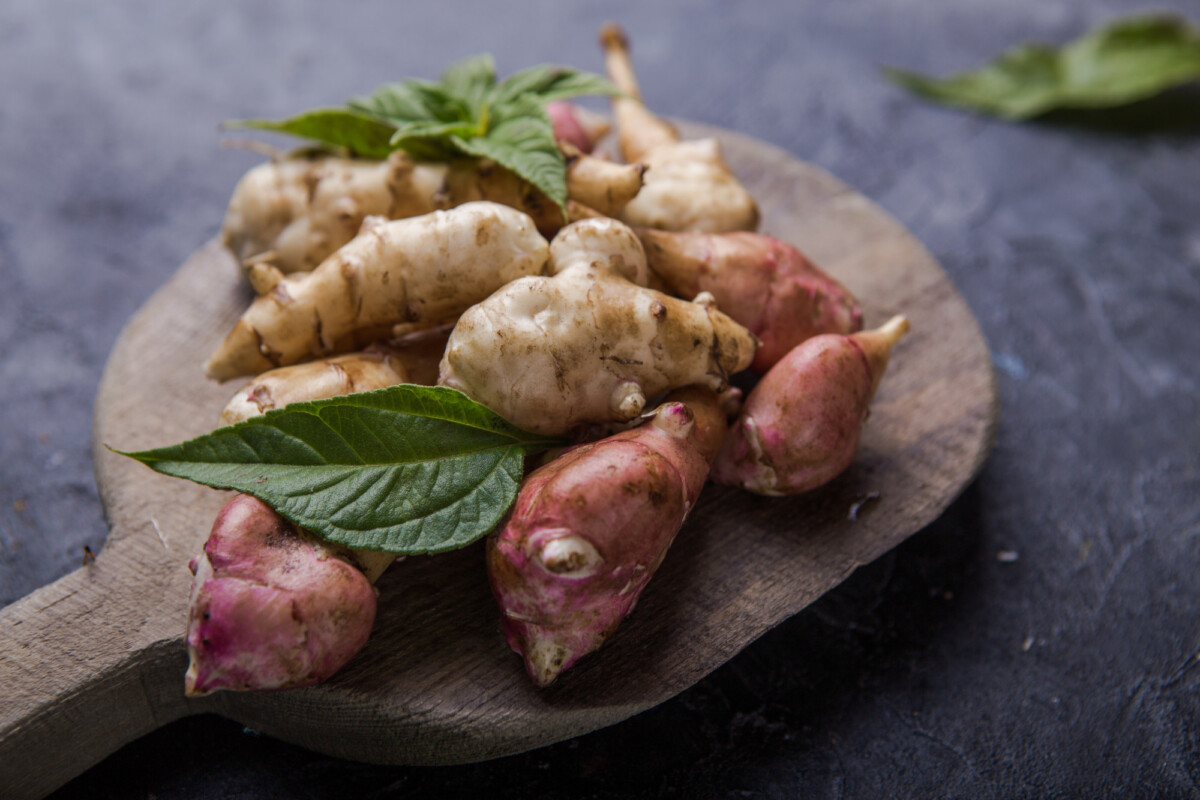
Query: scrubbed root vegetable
(763, 283)
(689, 187)
(413, 359)
(424, 270)
(589, 529)
(576, 125)
(602, 185)
(799, 427)
(587, 345)
(295, 212)
(272, 607)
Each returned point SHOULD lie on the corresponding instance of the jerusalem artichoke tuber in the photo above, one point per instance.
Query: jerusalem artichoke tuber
(587, 345)
(425, 270)
(799, 427)
(763, 283)
(295, 212)
(413, 359)
(590, 528)
(689, 187)
(272, 607)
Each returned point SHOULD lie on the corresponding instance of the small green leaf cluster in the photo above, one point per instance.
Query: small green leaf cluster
(1130, 59)
(406, 469)
(467, 112)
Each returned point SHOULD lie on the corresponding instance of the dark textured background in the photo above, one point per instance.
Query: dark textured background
(1041, 639)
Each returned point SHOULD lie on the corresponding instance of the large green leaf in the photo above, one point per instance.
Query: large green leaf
(407, 469)
(1131, 59)
(465, 114)
(521, 139)
(340, 127)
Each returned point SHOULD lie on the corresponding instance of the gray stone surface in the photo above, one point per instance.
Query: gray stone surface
(1041, 639)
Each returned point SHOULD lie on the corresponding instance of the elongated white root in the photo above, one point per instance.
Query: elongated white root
(425, 270)
(689, 187)
(587, 345)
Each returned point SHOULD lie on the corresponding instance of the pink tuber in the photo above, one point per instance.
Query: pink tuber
(576, 125)
(589, 529)
(763, 283)
(799, 428)
(255, 620)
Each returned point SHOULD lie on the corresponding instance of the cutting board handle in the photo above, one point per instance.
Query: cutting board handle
(85, 668)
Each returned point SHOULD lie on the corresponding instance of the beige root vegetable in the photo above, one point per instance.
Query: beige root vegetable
(425, 270)
(587, 345)
(295, 212)
(799, 427)
(763, 283)
(413, 359)
(689, 187)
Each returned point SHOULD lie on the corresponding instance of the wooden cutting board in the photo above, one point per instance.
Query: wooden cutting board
(97, 658)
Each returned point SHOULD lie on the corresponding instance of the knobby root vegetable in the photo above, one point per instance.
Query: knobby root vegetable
(689, 187)
(295, 212)
(413, 359)
(589, 529)
(425, 270)
(602, 185)
(763, 283)
(587, 345)
(576, 125)
(272, 607)
(799, 427)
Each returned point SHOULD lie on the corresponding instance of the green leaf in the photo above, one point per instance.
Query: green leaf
(521, 139)
(471, 79)
(407, 469)
(340, 127)
(413, 101)
(548, 83)
(1130, 59)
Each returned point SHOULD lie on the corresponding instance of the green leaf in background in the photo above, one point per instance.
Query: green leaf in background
(1130, 59)
(340, 127)
(521, 139)
(407, 469)
(467, 113)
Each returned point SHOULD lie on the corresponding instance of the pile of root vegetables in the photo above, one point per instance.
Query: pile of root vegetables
(615, 324)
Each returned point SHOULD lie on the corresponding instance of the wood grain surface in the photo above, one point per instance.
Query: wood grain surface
(97, 658)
